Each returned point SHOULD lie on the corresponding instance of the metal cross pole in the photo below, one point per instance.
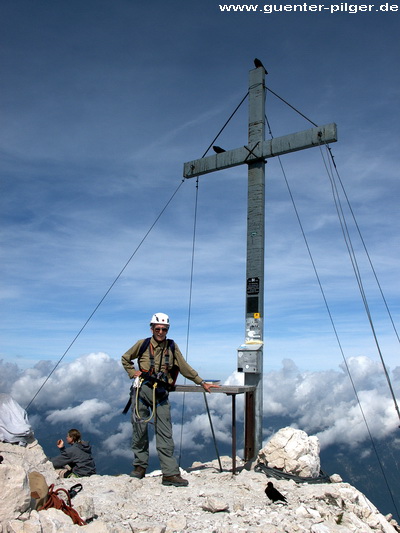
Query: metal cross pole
(254, 154)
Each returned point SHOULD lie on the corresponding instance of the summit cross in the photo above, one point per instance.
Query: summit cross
(254, 155)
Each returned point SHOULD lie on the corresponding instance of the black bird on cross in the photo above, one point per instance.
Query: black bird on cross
(258, 64)
(218, 149)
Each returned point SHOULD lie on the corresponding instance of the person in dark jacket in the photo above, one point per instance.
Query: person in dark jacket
(78, 457)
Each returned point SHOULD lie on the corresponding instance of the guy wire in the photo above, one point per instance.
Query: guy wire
(106, 294)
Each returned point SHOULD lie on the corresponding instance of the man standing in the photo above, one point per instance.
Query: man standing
(157, 359)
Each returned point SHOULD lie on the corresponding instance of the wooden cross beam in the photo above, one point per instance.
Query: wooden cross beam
(261, 150)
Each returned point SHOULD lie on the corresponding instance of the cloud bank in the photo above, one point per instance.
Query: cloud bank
(91, 391)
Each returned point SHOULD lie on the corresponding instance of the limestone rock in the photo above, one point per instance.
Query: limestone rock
(292, 451)
(15, 493)
(55, 521)
(149, 528)
(215, 505)
(176, 523)
(214, 501)
(31, 457)
(32, 525)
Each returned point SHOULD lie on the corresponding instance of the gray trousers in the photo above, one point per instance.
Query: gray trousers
(163, 433)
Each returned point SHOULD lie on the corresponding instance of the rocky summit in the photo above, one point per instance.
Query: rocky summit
(214, 502)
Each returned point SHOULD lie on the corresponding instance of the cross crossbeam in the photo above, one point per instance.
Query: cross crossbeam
(262, 150)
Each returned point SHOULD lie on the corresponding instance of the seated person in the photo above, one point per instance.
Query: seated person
(78, 457)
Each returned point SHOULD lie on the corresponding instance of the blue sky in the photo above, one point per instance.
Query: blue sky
(102, 103)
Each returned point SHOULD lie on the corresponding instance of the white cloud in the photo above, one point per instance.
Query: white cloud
(116, 444)
(10, 372)
(89, 414)
(325, 403)
(91, 390)
(95, 375)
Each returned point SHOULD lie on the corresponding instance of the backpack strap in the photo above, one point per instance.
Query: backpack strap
(147, 344)
(143, 348)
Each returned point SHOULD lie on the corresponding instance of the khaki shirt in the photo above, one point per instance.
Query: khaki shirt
(159, 361)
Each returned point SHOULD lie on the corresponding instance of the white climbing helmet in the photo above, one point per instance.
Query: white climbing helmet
(159, 318)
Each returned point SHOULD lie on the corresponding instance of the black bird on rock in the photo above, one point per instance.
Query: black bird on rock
(274, 494)
(258, 64)
(218, 149)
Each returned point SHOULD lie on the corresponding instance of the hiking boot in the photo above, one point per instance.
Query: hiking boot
(139, 472)
(175, 481)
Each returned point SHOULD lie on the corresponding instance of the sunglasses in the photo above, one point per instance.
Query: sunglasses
(159, 330)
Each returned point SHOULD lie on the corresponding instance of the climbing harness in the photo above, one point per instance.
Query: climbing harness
(157, 381)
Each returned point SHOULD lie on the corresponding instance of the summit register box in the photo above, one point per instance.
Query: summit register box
(249, 358)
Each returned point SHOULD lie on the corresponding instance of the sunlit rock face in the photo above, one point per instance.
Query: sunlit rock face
(214, 501)
(292, 451)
